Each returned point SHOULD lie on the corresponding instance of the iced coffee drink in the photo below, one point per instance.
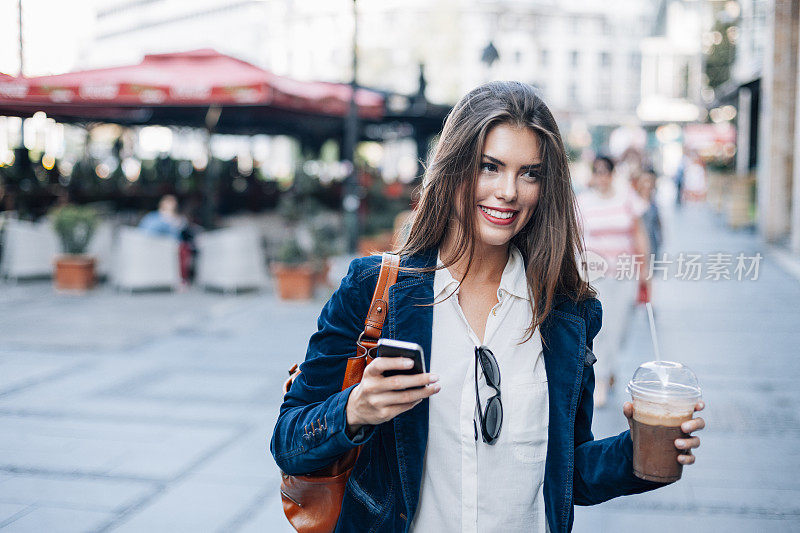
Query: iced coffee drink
(664, 395)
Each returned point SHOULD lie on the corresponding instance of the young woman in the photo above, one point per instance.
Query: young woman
(498, 437)
(613, 229)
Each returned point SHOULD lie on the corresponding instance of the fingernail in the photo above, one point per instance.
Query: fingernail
(679, 443)
(434, 378)
(408, 363)
(437, 387)
(702, 405)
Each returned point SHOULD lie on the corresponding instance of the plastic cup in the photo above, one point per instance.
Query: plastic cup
(664, 395)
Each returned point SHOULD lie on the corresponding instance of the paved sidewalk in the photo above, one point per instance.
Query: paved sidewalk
(151, 412)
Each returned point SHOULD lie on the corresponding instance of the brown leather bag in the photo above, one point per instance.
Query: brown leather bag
(312, 502)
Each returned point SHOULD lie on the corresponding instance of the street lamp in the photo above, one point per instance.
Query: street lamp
(21, 71)
(490, 55)
(351, 201)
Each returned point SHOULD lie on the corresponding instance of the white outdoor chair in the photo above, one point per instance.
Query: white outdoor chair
(29, 249)
(231, 259)
(101, 247)
(142, 261)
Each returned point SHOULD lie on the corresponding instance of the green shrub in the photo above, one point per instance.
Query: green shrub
(291, 253)
(74, 226)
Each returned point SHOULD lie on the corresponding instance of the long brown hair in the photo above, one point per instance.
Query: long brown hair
(551, 241)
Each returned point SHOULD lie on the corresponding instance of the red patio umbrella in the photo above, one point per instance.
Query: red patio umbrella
(199, 78)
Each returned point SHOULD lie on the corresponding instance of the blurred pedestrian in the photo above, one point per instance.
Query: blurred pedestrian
(166, 221)
(680, 176)
(694, 183)
(490, 258)
(613, 230)
(646, 189)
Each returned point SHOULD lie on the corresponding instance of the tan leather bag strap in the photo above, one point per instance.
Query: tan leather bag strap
(373, 325)
(380, 299)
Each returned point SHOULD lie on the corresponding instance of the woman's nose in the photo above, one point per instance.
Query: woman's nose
(506, 188)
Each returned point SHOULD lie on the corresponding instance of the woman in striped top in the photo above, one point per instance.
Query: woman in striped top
(613, 230)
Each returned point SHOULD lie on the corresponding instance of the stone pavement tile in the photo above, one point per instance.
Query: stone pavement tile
(597, 520)
(51, 519)
(246, 461)
(674, 496)
(203, 385)
(191, 505)
(94, 494)
(766, 454)
(267, 517)
(741, 499)
(100, 320)
(19, 371)
(12, 511)
(94, 377)
(134, 449)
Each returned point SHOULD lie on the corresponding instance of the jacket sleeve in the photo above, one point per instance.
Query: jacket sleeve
(603, 468)
(310, 431)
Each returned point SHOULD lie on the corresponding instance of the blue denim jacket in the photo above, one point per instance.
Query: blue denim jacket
(383, 490)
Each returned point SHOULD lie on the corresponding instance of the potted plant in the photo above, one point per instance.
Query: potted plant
(74, 225)
(326, 245)
(294, 275)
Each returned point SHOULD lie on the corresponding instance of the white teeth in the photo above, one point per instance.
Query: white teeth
(497, 214)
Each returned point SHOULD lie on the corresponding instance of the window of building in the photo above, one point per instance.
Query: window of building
(544, 57)
(604, 96)
(605, 59)
(573, 58)
(518, 56)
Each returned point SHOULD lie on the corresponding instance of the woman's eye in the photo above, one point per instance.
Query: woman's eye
(491, 167)
(532, 175)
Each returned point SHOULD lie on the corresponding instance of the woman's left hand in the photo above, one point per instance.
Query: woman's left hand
(688, 427)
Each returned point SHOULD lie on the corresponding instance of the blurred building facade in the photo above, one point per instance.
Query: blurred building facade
(672, 65)
(779, 128)
(585, 56)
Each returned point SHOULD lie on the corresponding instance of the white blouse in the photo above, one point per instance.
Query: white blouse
(468, 485)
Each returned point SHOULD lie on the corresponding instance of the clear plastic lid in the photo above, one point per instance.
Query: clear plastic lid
(664, 380)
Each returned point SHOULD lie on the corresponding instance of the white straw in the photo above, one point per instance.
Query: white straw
(653, 335)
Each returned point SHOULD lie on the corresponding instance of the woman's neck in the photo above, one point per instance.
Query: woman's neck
(488, 262)
(607, 192)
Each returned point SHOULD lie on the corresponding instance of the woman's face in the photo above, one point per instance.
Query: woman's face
(508, 183)
(601, 176)
(646, 185)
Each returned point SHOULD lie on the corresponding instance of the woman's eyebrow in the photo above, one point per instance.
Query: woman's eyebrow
(500, 163)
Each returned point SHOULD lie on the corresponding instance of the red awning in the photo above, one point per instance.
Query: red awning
(196, 78)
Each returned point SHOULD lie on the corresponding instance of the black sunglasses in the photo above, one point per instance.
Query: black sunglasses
(491, 418)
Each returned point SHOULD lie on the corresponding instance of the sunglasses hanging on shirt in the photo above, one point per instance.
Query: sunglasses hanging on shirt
(491, 418)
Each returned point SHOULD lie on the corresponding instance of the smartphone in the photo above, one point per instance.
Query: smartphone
(393, 348)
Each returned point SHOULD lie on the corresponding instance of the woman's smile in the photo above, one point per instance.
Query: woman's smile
(499, 216)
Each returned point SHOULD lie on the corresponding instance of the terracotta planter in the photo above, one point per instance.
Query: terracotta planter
(74, 273)
(294, 282)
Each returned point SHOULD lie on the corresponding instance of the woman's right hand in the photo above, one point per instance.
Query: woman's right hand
(378, 399)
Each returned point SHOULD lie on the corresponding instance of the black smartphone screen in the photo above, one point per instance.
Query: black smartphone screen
(392, 348)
